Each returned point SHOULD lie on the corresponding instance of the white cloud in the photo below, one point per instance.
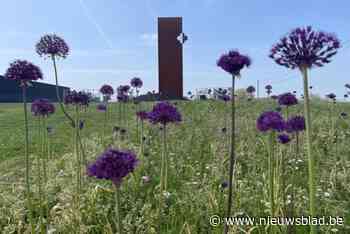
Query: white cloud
(82, 52)
(105, 71)
(149, 36)
(17, 52)
(96, 24)
(149, 39)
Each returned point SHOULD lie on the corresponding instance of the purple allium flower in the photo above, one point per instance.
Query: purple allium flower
(233, 62)
(102, 107)
(122, 97)
(283, 138)
(287, 99)
(142, 115)
(163, 113)
(136, 82)
(295, 124)
(270, 120)
(304, 47)
(42, 107)
(52, 45)
(225, 97)
(347, 86)
(113, 165)
(343, 114)
(107, 90)
(274, 97)
(77, 98)
(268, 87)
(81, 124)
(331, 96)
(250, 89)
(123, 89)
(224, 185)
(23, 71)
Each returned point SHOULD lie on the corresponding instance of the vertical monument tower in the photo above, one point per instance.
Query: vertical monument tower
(170, 41)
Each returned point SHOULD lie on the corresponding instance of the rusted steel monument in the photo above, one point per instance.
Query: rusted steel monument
(170, 41)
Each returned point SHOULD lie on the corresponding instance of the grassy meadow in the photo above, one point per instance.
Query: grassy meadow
(198, 165)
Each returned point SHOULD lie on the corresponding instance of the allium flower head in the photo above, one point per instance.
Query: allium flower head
(42, 107)
(224, 184)
(233, 62)
(283, 138)
(107, 90)
(287, 99)
(102, 107)
(270, 120)
(23, 71)
(121, 97)
(142, 115)
(250, 89)
(331, 96)
(81, 124)
(225, 98)
(304, 47)
(52, 45)
(123, 89)
(164, 113)
(77, 98)
(295, 124)
(136, 82)
(268, 87)
(113, 165)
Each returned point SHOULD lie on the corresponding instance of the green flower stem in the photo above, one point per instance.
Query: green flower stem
(72, 122)
(117, 209)
(163, 171)
(58, 94)
(105, 128)
(232, 152)
(26, 155)
(141, 140)
(120, 113)
(165, 159)
(76, 149)
(283, 181)
(44, 148)
(271, 169)
(311, 160)
(39, 165)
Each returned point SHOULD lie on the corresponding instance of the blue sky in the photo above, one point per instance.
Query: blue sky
(112, 41)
